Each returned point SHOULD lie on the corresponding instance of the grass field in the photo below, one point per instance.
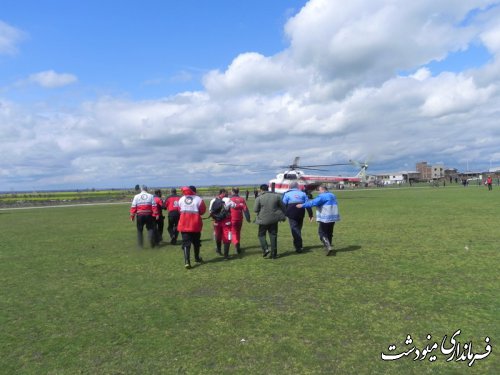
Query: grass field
(78, 297)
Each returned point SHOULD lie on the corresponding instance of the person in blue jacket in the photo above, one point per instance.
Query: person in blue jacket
(327, 214)
(295, 215)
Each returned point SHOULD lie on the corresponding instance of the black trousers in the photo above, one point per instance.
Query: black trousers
(296, 229)
(173, 221)
(159, 229)
(193, 238)
(148, 221)
(189, 238)
(326, 230)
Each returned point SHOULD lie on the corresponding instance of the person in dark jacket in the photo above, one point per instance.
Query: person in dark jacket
(270, 211)
(295, 215)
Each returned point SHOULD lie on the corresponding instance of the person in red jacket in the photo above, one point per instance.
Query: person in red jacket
(220, 213)
(172, 206)
(237, 211)
(191, 208)
(161, 219)
(144, 207)
(489, 183)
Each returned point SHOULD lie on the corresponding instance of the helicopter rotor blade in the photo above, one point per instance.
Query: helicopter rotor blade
(314, 169)
(323, 165)
(234, 165)
(295, 165)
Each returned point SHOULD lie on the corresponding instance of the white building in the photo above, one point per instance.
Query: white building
(390, 178)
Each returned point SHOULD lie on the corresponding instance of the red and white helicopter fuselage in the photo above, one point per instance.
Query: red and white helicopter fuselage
(306, 182)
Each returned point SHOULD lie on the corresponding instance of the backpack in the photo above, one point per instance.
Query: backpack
(218, 210)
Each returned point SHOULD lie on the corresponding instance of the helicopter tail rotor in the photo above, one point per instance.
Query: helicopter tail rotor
(363, 166)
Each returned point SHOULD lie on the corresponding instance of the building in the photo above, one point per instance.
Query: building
(397, 178)
(430, 172)
(437, 171)
(424, 170)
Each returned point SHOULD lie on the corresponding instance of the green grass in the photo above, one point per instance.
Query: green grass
(88, 196)
(78, 297)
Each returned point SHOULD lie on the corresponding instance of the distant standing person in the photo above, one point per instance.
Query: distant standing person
(270, 211)
(145, 212)
(160, 221)
(295, 215)
(489, 183)
(327, 214)
(191, 208)
(247, 193)
(172, 206)
(239, 210)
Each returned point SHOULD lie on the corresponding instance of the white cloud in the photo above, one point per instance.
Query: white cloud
(491, 39)
(335, 94)
(253, 73)
(454, 94)
(51, 79)
(422, 74)
(369, 42)
(9, 38)
(490, 29)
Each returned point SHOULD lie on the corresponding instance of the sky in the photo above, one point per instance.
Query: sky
(110, 94)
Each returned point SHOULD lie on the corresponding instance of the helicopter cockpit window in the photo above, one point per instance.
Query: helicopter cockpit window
(290, 176)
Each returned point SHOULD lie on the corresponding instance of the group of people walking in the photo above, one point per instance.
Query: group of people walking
(272, 208)
(148, 209)
(227, 211)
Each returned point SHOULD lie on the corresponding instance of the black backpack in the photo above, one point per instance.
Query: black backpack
(218, 210)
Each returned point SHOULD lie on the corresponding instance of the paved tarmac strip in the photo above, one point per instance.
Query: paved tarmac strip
(62, 205)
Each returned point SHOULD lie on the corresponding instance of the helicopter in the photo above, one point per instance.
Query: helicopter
(309, 182)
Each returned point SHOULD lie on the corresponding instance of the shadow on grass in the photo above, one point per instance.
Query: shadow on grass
(348, 248)
(219, 259)
(338, 250)
(288, 253)
(246, 251)
(256, 251)
(359, 197)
